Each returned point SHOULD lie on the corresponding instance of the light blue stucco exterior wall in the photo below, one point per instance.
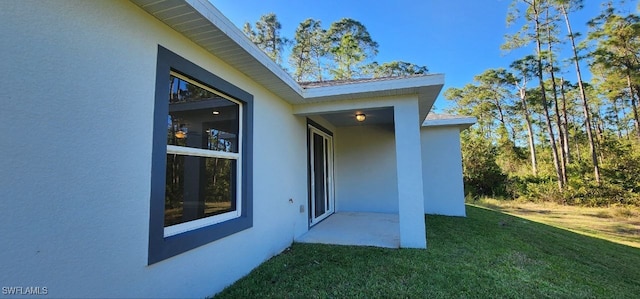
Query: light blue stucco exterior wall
(366, 170)
(442, 171)
(78, 83)
(366, 179)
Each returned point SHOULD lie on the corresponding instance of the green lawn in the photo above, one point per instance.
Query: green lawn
(488, 254)
(620, 224)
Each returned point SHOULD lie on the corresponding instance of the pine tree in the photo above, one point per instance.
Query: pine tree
(617, 49)
(309, 51)
(350, 46)
(565, 6)
(524, 67)
(266, 36)
(394, 69)
(533, 31)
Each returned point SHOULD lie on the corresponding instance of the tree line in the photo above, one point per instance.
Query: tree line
(539, 135)
(344, 51)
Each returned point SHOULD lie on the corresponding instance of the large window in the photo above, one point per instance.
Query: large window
(200, 171)
(203, 146)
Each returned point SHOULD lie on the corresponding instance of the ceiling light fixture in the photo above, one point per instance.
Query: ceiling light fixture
(216, 112)
(360, 116)
(181, 135)
(182, 131)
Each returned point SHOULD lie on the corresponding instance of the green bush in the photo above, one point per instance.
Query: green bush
(598, 196)
(481, 173)
(576, 193)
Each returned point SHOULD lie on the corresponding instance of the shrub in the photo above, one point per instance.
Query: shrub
(482, 175)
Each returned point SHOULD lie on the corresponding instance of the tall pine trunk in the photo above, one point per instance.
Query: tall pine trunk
(634, 103)
(583, 97)
(565, 124)
(563, 155)
(532, 144)
(552, 138)
(554, 93)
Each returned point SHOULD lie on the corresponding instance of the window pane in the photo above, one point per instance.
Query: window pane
(182, 91)
(200, 118)
(319, 174)
(198, 187)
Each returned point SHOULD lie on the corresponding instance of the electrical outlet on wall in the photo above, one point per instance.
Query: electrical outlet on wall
(301, 208)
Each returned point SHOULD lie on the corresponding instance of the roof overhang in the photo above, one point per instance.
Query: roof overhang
(426, 88)
(442, 120)
(206, 26)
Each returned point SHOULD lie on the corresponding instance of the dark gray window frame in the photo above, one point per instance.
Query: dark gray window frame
(161, 247)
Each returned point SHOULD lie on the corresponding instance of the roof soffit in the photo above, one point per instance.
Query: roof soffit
(206, 26)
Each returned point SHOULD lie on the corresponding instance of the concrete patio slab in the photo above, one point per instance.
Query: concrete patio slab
(360, 229)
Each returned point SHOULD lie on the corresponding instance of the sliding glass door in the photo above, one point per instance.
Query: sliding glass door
(321, 175)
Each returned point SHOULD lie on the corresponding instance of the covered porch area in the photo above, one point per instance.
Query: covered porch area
(373, 190)
(356, 228)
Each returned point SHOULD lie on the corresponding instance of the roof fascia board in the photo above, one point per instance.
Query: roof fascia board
(463, 122)
(373, 86)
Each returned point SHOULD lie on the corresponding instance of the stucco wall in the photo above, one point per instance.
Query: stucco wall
(442, 171)
(77, 106)
(365, 168)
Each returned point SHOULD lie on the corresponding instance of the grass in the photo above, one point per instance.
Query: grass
(489, 254)
(620, 224)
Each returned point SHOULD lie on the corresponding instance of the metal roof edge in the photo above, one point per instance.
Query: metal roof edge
(456, 121)
(386, 84)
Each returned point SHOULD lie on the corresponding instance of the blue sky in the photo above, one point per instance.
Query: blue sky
(460, 38)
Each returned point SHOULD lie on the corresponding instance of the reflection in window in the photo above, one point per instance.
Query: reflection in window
(214, 194)
(201, 184)
(182, 91)
(222, 141)
(201, 119)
